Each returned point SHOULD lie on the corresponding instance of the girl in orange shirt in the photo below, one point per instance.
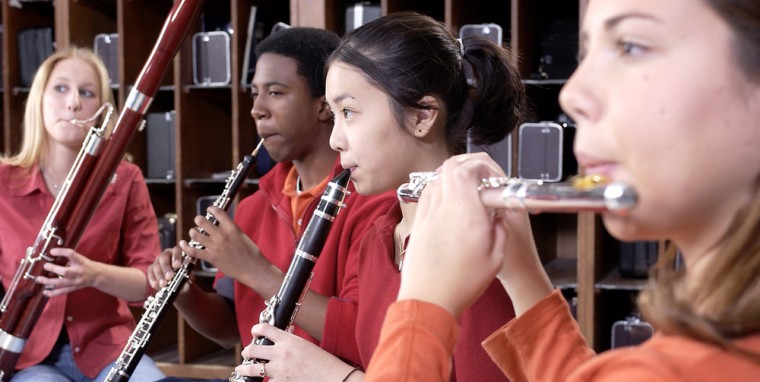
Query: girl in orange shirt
(666, 99)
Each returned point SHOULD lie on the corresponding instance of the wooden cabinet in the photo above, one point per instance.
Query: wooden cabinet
(214, 129)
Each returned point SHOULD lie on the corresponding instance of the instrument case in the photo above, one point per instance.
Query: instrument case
(34, 46)
(361, 13)
(161, 146)
(106, 45)
(630, 332)
(636, 258)
(211, 58)
(167, 230)
(546, 151)
(501, 152)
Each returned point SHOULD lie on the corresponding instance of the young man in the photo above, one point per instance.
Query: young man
(254, 252)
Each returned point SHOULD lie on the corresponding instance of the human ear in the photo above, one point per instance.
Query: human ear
(425, 117)
(324, 113)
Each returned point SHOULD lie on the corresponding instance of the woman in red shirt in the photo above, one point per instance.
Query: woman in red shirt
(86, 321)
(402, 103)
(666, 99)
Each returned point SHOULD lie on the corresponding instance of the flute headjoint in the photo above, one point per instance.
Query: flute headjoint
(411, 192)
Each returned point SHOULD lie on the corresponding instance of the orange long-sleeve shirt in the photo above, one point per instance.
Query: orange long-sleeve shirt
(545, 344)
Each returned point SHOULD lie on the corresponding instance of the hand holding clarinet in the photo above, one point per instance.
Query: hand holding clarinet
(283, 307)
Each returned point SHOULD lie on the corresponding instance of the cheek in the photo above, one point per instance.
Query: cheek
(48, 114)
(647, 131)
(91, 106)
(362, 139)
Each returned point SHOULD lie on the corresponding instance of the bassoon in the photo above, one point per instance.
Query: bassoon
(283, 307)
(158, 305)
(79, 196)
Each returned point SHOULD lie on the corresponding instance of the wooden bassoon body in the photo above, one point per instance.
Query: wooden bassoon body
(81, 193)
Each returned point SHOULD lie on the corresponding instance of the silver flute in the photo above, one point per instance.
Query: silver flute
(591, 193)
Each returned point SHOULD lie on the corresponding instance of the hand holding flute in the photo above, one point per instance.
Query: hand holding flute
(458, 244)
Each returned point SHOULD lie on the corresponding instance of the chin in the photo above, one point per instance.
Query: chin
(363, 188)
(621, 227)
(276, 155)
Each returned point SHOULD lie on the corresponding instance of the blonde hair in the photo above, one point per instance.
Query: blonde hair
(34, 139)
(724, 305)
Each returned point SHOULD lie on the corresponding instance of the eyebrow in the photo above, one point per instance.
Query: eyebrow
(613, 22)
(270, 84)
(70, 81)
(62, 78)
(341, 97)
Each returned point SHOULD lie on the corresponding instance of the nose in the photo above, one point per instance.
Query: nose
(259, 110)
(337, 137)
(577, 97)
(583, 98)
(74, 103)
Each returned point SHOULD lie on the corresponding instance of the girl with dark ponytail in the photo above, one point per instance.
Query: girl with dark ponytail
(403, 104)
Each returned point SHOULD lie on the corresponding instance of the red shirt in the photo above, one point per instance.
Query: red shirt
(376, 288)
(123, 231)
(266, 217)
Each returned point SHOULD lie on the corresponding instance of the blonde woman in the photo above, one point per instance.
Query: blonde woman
(86, 322)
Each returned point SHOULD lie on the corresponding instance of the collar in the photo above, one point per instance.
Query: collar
(291, 183)
(26, 181)
(291, 180)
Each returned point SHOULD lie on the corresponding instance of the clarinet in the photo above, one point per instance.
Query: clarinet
(591, 193)
(158, 305)
(282, 308)
(87, 181)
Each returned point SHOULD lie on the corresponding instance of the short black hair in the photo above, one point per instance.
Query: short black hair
(310, 47)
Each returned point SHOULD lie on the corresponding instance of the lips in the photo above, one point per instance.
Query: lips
(264, 130)
(595, 166)
(264, 134)
(605, 170)
(346, 164)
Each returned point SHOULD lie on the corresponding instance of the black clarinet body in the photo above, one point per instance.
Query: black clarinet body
(282, 308)
(158, 305)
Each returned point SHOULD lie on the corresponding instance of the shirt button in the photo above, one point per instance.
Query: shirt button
(69, 318)
(76, 349)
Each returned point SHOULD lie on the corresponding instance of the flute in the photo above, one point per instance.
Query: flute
(592, 193)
